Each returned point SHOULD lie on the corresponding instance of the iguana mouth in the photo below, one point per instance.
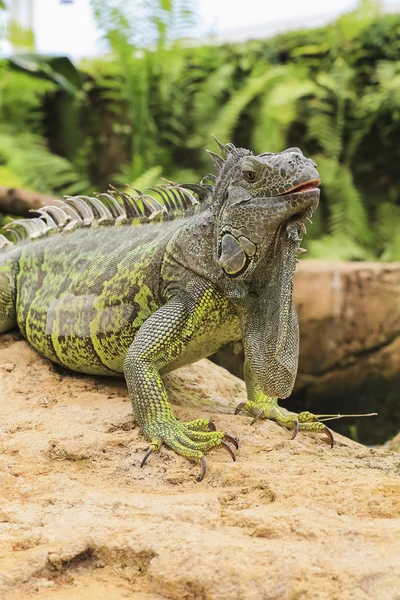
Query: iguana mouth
(310, 186)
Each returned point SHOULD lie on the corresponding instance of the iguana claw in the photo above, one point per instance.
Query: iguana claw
(232, 440)
(146, 456)
(258, 416)
(229, 450)
(203, 463)
(296, 427)
(329, 435)
(239, 407)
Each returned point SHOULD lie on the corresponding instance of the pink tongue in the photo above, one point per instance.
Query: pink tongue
(306, 187)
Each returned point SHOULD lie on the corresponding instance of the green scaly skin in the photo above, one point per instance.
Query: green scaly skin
(140, 289)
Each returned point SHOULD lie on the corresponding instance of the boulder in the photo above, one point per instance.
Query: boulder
(80, 519)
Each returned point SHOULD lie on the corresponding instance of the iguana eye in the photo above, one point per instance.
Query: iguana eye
(250, 176)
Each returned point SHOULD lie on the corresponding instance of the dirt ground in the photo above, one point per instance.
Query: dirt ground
(80, 520)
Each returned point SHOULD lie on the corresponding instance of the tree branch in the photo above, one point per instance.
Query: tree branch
(19, 202)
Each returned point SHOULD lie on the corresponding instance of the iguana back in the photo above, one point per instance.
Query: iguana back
(82, 296)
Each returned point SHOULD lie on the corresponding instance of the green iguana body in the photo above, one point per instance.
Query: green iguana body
(138, 288)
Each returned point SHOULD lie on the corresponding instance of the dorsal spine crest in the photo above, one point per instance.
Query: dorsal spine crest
(116, 208)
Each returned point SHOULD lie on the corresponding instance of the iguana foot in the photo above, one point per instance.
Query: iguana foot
(190, 439)
(268, 408)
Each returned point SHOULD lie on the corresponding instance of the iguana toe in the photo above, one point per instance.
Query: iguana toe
(306, 421)
(188, 439)
(268, 408)
(201, 425)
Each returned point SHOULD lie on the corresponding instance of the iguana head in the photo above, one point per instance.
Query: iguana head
(263, 203)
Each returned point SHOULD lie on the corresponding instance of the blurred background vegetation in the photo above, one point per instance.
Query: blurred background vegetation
(149, 107)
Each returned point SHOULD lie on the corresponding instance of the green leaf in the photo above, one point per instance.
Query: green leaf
(277, 112)
(57, 68)
(310, 49)
(27, 157)
(229, 115)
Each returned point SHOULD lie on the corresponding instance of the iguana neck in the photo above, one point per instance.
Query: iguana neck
(190, 252)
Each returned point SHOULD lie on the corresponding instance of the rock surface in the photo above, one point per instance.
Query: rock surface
(394, 444)
(349, 316)
(80, 520)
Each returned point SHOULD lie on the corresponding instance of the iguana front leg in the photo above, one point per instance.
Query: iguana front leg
(260, 406)
(160, 340)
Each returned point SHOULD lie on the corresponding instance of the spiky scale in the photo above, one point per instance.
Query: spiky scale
(112, 204)
(60, 217)
(221, 146)
(81, 207)
(202, 192)
(47, 218)
(217, 160)
(4, 242)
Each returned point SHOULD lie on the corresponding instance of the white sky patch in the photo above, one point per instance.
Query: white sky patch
(68, 28)
(227, 15)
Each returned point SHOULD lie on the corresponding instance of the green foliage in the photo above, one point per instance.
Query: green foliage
(147, 179)
(21, 98)
(27, 158)
(145, 40)
(55, 68)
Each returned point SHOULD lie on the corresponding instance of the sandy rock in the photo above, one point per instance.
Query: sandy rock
(79, 519)
(346, 311)
(394, 444)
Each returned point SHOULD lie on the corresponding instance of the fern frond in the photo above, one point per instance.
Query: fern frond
(27, 157)
(207, 99)
(348, 214)
(147, 179)
(229, 115)
(277, 111)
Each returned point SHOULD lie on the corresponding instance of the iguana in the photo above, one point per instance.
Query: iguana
(119, 283)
